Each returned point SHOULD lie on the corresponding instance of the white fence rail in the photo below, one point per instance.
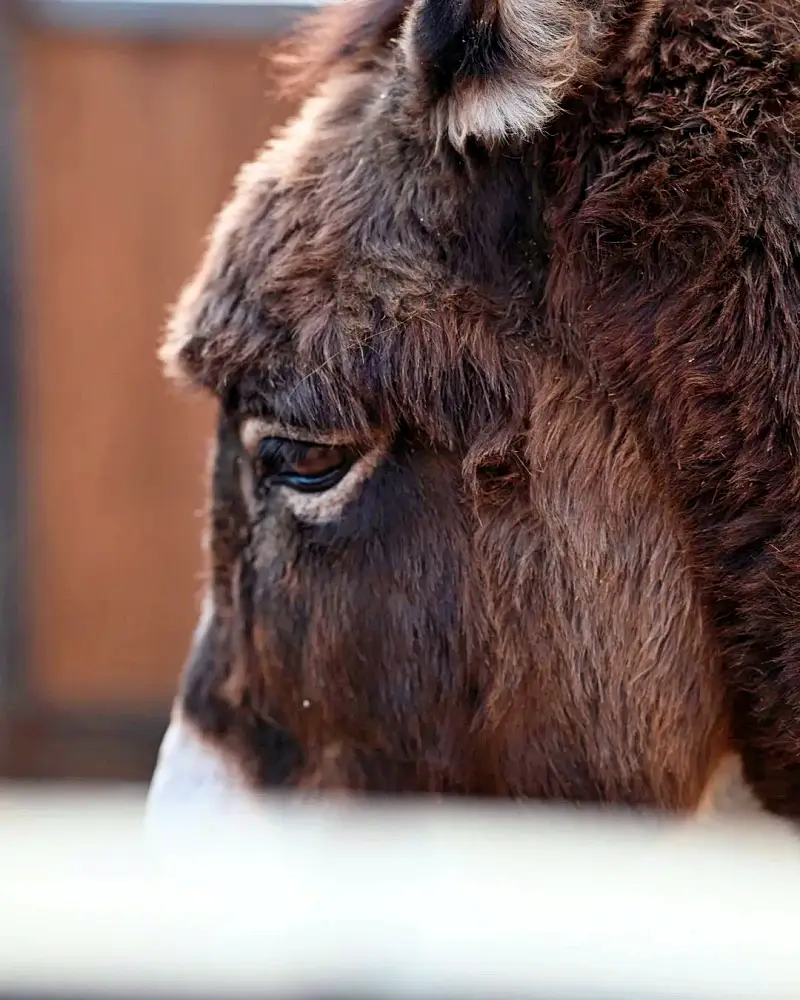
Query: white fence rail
(168, 18)
(391, 901)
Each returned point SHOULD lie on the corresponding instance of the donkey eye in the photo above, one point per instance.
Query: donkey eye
(303, 466)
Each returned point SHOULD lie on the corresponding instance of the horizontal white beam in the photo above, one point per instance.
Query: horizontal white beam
(391, 901)
(181, 18)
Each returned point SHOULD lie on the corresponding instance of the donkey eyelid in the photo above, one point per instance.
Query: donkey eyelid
(253, 430)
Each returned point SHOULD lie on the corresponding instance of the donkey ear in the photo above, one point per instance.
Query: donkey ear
(500, 68)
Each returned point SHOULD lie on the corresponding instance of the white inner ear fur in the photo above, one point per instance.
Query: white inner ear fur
(546, 42)
(500, 109)
(550, 44)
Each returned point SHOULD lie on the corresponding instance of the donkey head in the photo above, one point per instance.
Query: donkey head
(439, 561)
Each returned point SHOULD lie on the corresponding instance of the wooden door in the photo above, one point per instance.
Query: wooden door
(130, 147)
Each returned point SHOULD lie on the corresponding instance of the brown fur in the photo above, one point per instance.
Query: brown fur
(456, 636)
(580, 347)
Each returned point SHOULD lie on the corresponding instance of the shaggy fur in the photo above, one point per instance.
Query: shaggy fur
(577, 562)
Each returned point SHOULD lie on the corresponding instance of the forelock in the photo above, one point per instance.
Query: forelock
(349, 281)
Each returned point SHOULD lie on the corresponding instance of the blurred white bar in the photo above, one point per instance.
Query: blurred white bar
(168, 18)
(391, 901)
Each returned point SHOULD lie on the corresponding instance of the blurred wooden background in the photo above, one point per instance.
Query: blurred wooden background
(129, 147)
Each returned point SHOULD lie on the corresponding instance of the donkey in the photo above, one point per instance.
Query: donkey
(478, 521)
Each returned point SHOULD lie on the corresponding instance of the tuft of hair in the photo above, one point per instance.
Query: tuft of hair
(346, 35)
(499, 69)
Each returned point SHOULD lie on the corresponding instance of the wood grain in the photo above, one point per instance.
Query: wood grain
(130, 149)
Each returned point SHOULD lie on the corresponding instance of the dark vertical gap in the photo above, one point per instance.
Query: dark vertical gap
(12, 672)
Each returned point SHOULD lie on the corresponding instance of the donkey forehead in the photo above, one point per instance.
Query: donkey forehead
(306, 261)
(317, 404)
(339, 289)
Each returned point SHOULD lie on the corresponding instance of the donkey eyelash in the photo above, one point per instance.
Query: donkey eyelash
(304, 466)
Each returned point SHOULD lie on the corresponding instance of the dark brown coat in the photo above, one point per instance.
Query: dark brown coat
(567, 356)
